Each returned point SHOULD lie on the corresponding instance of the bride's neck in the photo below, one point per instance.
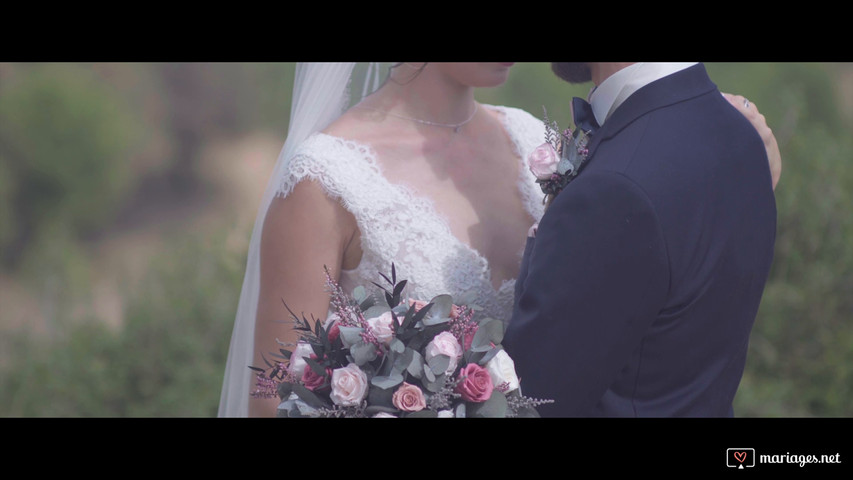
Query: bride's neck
(427, 94)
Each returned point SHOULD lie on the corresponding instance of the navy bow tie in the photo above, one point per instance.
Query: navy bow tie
(583, 116)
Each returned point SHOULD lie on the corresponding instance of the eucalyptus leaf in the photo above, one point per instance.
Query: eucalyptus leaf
(388, 382)
(422, 414)
(402, 360)
(440, 311)
(527, 412)
(460, 411)
(416, 365)
(429, 376)
(438, 364)
(495, 407)
(306, 410)
(308, 396)
(351, 335)
(376, 310)
(382, 397)
(489, 332)
(397, 346)
(359, 293)
(363, 352)
(436, 384)
(489, 355)
(466, 298)
(374, 409)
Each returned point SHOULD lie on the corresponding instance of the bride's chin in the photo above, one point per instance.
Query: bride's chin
(478, 74)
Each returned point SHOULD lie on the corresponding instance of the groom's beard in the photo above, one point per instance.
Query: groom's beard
(572, 72)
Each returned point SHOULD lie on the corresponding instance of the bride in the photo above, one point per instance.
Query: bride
(417, 173)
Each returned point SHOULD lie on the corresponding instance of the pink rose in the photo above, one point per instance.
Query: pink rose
(409, 398)
(476, 385)
(445, 343)
(382, 327)
(311, 380)
(543, 161)
(334, 332)
(349, 386)
(419, 304)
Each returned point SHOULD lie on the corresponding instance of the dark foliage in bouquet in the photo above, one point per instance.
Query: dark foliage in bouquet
(382, 355)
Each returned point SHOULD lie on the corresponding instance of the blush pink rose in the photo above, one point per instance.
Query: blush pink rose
(476, 386)
(445, 343)
(409, 398)
(349, 386)
(382, 327)
(543, 161)
(419, 304)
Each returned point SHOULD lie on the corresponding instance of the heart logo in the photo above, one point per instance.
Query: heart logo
(740, 456)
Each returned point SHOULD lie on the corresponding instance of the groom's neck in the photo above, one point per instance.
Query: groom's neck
(602, 70)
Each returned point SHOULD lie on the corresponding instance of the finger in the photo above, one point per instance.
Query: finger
(741, 104)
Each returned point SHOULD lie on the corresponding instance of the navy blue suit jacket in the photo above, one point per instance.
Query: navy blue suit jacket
(638, 294)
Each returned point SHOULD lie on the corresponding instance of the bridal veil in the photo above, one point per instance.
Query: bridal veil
(321, 93)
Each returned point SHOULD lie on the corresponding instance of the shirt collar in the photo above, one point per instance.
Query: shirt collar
(605, 98)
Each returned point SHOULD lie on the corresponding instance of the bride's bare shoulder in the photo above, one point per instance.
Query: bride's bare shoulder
(359, 125)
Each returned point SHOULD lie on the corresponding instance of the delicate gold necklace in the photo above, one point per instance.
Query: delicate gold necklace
(455, 126)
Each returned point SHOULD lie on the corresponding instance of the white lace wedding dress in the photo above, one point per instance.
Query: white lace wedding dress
(401, 227)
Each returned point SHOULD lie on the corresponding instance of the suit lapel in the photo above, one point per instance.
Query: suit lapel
(675, 88)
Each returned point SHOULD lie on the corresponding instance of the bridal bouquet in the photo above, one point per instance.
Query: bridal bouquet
(380, 355)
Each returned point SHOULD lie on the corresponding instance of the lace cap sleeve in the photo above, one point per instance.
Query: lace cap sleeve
(336, 165)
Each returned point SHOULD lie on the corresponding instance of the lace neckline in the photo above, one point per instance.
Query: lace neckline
(427, 205)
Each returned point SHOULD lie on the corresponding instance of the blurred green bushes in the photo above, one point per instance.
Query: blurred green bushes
(65, 140)
(78, 141)
(801, 351)
(167, 360)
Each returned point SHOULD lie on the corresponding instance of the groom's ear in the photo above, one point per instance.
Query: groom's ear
(572, 72)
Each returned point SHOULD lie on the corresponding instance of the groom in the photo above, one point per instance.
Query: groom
(638, 293)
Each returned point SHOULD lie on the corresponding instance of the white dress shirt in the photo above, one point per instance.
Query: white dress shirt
(605, 98)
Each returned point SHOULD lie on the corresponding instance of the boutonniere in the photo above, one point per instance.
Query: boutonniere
(557, 162)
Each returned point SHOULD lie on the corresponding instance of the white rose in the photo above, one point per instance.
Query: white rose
(445, 344)
(384, 415)
(445, 414)
(349, 386)
(297, 359)
(502, 370)
(382, 327)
